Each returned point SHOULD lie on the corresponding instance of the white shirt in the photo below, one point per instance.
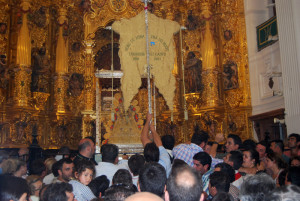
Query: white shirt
(109, 169)
(48, 179)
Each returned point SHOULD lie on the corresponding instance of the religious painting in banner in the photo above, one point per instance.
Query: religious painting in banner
(133, 54)
(230, 75)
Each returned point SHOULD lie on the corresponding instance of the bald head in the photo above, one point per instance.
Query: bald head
(185, 179)
(86, 147)
(144, 196)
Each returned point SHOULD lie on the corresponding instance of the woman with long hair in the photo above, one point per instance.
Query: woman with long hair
(274, 165)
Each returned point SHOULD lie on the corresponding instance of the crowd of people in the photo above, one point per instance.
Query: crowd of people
(192, 171)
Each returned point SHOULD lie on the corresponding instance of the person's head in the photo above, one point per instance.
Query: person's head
(23, 154)
(249, 144)
(151, 152)
(250, 158)
(99, 185)
(208, 147)
(234, 159)
(13, 188)
(295, 161)
(233, 143)
(202, 162)
(135, 163)
(110, 153)
(37, 167)
(218, 182)
(262, 149)
(227, 169)
(168, 141)
(145, 196)
(223, 196)
(200, 138)
(84, 171)
(55, 168)
(256, 187)
(118, 192)
(277, 146)
(152, 178)
(293, 139)
(14, 166)
(35, 184)
(122, 176)
(64, 151)
(58, 192)
(285, 193)
(274, 160)
(86, 147)
(178, 163)
(293, 176)
(65, 169)
(184, 184)
(49, 163)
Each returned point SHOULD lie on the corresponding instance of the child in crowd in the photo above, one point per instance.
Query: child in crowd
(84, 173)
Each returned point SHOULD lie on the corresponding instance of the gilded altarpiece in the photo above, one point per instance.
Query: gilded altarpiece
(214, 57)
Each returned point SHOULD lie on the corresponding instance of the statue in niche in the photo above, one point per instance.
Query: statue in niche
(192, 21)
(76, 84)
(227, 35)
(3, 28)
(21, 125)
(230, 75)
(85, 6)
(4, 77)
(193, 68)
(41, 72)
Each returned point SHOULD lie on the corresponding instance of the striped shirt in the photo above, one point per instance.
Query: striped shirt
(81, 192)
(186, 152)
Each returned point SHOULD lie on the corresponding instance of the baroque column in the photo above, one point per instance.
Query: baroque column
(209, 61)
(23, 60)
(89, 92)
(61, 68)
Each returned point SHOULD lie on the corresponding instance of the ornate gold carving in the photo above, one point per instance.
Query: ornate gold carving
(40, 100)
(118, 5)
(60, 87)
(22, 79)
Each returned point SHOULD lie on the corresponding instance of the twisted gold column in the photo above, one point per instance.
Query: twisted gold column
(23, 61)
(89, 90)
(209, 61)
(61, 68)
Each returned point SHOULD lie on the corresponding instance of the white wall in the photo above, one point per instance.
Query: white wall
(263, 64)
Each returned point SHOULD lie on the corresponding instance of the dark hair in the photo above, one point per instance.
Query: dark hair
(249, 144)
(122, 176)
(223, 196)
(99, 185)
(61, 162)
(279, 143)
(237, 158)
(37, 167)
(64, 150)
(204, 158)
(296, 135)
(168, 141)
(210, 143)
(3, 155)
(227, 169)
(294, 158)
(199, 137)
(236, 139)
(91, 138)
(84, 145)
(135, 163)
(152, 178)
(151, 152)
(109, 152)
(178, 163)
(220, 181)
(12, 188)
(281, 177)
(118, 193)
(293, 175)
(57, 192)
(253, 155)
(257, 187)
(55, 168)
(180, 190)
(83, 165)
(277, 159)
